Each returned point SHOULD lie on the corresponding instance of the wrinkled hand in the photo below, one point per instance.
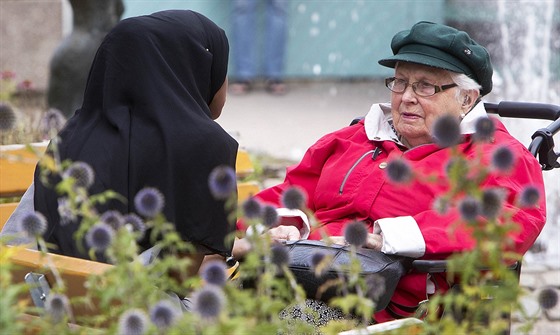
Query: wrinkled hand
(284, 233)
(374, 241)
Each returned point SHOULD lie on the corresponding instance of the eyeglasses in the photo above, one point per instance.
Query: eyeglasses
(421, 88)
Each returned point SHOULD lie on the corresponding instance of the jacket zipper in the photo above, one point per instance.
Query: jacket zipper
(375, 152)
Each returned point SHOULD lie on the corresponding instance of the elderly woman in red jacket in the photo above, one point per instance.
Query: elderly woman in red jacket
(438, 71)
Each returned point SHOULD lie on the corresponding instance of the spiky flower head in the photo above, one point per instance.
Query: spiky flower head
(113, 218)
(52, 122)
(149, 202)
(320, 262)
(484, 129)
(57, 307)
(222, 182)
(135, 224)
(469, 208)
(294, 198)
(446, 131)
(100, 236)
(548, 298)
(214, 272)
(82, 174)
(133, 322)
(492, 200)
(208, 302)
(502, 159)
(356, 234)
(65, 211)
(279, 255)
(33, 224)
(399, 171)
(270, 216)
(252, 208)
(164, 313)
(7, 117)
(530, 196)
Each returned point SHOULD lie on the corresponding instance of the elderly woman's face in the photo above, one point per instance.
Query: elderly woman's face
(413, 115)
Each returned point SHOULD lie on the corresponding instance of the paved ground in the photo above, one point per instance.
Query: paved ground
(284, 126)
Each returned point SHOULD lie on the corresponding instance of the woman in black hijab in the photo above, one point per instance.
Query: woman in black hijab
(147, 120)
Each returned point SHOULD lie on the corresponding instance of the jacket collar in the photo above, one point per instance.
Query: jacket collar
(378, 122)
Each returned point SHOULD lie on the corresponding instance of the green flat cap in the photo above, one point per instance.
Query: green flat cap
(443, 47)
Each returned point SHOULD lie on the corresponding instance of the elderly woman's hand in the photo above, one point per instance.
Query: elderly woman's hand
(374, 241)
(284, 233)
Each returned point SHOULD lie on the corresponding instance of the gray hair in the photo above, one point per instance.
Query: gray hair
(465, 83)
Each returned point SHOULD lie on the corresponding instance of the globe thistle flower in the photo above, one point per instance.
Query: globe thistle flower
(7, 117)
(294, 198)
(214, 272)
(57, 307)
(163, 314)
(81, 172)
(319, 262)
(222, 182)
(252, 208)
(399, 171)
(446, 131)
(548, 298)
(502, 159)
(65, 211)
(135, 224)
(270, 216)
(529, 196)
(149, 202)
(208, 302)
(33, 224)
(100, 236)
(133, 322)
(279, 255)
(492, 200)
(113, 218)
(484, 129)
(52, 122)
(375, 286)
(469, 208)
(356, 234)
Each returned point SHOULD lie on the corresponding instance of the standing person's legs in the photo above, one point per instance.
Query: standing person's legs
(275, 44)
(243, 48)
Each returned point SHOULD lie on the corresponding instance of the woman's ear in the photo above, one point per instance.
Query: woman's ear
(469, 99)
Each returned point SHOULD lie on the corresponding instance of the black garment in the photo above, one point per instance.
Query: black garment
(145, 122)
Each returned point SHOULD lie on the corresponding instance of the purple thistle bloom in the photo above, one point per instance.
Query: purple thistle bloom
(149, 202)
(136, 224)
(100, 236)
(57, 307)
(279, 255)
(7, 117)
(355, 233)
(82, 173)
(318, 262)
(492, 203)
(133, 322)
(52, 122)
(502, 159)
(294, 198)
(33, 224)
(214, 272)
(65, 211)
(446, 131)
(208, 302)
(469, 208)
(530, 196)
(252, 208)
(548, 298)
(163, 314)
(113, 218)
(222, 182)
(399, 171)
(270, 216)
(484, 129)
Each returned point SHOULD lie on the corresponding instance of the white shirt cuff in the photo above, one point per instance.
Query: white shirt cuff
(304, 228)
(401, 236)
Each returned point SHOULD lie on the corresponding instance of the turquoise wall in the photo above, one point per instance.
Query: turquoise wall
(326, 38)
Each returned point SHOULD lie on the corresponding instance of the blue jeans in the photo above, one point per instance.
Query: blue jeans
(244, 43)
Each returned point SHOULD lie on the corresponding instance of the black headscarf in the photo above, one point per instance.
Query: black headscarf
(145, 122)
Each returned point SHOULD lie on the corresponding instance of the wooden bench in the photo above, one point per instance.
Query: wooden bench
(17, 165)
